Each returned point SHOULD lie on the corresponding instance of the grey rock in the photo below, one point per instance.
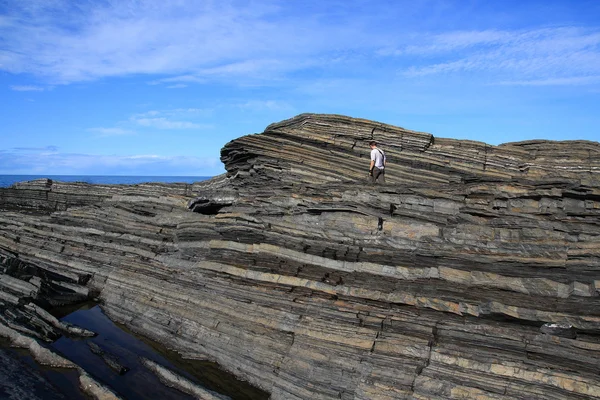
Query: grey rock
(109, 359)
(563, 330)
(17, 382)
(172, 379)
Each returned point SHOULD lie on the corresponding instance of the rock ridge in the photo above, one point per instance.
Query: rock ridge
(473, 274)
(312, 148)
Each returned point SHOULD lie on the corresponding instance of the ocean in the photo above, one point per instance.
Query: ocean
(8, 180)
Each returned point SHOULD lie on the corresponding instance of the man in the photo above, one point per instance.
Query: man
(378, 160)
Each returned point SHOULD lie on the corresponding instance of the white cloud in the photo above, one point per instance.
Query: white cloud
(169, 119)
(181, 78)
(179, 118)
(111, 131)
(27, 88)
(269, 41)
(69, 43)
(44, 149)
(558, 56)
(271, 105)
(189, 112)
(445, 43)
(574, 81)
(18, 161)
(164, 123)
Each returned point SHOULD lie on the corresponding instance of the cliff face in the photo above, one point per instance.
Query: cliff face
(474, 273)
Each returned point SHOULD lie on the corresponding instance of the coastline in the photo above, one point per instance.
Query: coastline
(9, 180)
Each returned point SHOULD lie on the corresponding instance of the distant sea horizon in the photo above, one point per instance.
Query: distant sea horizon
(9, 180)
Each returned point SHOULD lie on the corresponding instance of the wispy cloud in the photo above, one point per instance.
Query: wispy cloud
(164, 123)
(260, 105)
(266, 71)
(27, 88)
(572, 81)
(43, 149)
(181, 79)
(17, 161)
(111, 131)
(181, 118)
(264, 42)
(445, 43)
(69, 42)
(550, 56)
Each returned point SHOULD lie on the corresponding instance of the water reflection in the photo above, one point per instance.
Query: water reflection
(22, 378)
(139, 382)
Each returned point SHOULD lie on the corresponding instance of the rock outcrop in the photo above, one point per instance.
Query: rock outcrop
(473, 274)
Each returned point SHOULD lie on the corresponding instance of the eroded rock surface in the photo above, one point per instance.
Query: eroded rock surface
(474, 273)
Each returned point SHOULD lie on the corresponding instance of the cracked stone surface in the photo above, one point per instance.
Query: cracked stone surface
(473, 274)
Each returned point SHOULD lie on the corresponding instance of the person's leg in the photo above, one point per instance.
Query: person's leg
(376, 174)
(382, 176)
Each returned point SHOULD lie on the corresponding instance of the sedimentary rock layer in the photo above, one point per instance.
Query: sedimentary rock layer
(474, 273)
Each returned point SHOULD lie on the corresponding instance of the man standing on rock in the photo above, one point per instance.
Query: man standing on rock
(378, 159)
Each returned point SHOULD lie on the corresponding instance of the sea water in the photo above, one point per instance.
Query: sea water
(8, 180)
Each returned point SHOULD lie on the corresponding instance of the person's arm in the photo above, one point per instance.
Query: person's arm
(371, 167)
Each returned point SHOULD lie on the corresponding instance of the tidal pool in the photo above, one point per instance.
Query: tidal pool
(137, 383)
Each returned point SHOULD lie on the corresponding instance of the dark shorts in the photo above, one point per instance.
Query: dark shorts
(378, 175)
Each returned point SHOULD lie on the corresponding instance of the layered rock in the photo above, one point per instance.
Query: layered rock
(474, 273)
(332, 148)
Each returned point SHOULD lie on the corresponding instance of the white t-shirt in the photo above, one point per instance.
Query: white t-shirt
(379, 157)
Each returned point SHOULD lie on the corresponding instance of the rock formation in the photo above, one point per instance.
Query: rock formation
(473, 274)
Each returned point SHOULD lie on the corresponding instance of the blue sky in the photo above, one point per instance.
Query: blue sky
(125, 87)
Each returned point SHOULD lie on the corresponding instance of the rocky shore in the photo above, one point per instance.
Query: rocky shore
(474, 273)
